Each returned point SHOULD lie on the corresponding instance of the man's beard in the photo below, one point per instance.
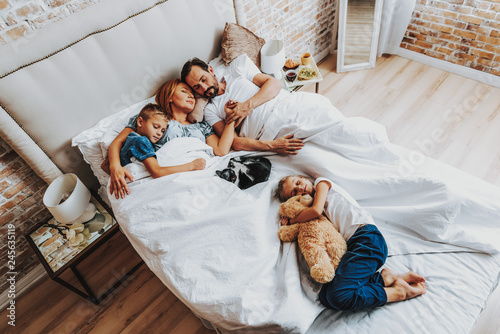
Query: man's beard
(215, 91)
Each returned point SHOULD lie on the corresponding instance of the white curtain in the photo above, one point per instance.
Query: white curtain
(396, 15)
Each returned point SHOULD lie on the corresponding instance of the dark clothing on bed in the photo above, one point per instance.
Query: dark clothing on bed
(136, 146)
(357, 283)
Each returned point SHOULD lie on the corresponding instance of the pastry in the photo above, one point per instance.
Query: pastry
(292, 63)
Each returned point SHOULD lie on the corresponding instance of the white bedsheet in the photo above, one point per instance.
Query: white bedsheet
(458, 285)
(216, 246)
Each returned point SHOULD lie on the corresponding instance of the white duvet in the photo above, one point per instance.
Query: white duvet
(216, 246)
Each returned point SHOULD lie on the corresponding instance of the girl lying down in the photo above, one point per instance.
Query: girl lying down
(148, 131)
(358, 284)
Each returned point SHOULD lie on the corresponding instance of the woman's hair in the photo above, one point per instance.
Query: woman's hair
(164, 95)
(150, 110)
(278, 194)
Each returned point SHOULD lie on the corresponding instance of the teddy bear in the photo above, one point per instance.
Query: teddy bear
(320, 242)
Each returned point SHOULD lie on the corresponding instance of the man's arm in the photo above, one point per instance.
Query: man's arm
(269, 88)
(283, 145)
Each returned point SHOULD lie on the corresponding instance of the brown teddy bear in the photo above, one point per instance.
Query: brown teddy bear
(320, 242)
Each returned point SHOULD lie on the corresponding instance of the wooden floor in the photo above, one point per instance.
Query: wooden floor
(445, 116)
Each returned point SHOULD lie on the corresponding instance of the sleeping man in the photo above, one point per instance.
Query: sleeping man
(263, 110)
(354, 151)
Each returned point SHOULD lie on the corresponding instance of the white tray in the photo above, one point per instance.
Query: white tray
(298, 82)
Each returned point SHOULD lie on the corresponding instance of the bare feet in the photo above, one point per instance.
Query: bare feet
(402, 286)
(402, 290)
(390, 276)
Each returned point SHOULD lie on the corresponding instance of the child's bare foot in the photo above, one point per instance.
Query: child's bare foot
(390, 276)
(401, 290)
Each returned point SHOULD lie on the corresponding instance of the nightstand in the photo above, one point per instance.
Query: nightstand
(57, 255)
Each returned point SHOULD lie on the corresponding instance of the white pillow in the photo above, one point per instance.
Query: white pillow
(220, 68)
(94, 142)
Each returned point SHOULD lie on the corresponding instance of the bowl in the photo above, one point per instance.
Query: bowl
(290, 75)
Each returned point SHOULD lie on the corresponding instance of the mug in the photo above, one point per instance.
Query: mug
(305, 59)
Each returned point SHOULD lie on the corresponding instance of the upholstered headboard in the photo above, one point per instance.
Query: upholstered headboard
(62, 79)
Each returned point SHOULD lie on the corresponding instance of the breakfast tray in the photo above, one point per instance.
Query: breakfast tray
(298, 82)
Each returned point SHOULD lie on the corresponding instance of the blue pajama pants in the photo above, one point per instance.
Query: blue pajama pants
(357, 283)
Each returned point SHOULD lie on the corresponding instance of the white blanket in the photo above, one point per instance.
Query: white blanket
(216, 246)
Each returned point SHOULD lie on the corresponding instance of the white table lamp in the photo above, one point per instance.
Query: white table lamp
(272, 58)
(67, 199)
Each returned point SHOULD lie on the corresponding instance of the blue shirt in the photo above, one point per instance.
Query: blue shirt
(200, 130)
(137, 146)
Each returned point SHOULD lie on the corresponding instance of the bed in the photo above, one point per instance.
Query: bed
(69, 90)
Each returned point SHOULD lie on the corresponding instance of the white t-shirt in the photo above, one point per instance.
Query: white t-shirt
(343, 210)
(240, 87)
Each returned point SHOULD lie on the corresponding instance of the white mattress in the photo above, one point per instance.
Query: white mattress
(216, 246)
(458, 285)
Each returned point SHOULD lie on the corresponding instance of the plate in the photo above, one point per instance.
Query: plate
(289, 68)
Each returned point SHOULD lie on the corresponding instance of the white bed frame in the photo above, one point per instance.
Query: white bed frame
(65, 77)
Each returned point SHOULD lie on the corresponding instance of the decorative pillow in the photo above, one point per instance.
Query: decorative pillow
(237, 40)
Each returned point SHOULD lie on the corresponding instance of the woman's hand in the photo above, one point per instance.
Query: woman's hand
(118, 184)
(198, 164)
(286, 145)
(228, 107)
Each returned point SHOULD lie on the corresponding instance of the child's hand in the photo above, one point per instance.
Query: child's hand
(284, 221)
(229, 106)
(198, 164)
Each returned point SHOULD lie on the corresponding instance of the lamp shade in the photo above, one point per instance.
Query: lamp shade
(78, 196)
(272, 57)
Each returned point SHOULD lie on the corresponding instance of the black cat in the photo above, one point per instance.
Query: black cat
(246, 171)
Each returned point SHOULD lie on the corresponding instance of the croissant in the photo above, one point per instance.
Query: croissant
(291, 63)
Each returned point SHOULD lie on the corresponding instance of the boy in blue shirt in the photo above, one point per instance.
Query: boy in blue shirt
(151, 125)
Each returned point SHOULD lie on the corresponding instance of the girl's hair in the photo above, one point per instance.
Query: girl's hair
(150, 110)
(164, 95)
(279, 191)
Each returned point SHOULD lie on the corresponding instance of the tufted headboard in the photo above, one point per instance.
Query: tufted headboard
(62, 79)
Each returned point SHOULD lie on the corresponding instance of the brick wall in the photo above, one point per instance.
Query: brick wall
(20, 17)
(463, 32)
(21, 192)
(303, 25)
